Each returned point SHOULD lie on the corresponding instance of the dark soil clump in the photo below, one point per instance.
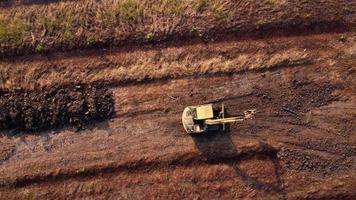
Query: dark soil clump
(302, 161)
(295, 98)
(55, 107)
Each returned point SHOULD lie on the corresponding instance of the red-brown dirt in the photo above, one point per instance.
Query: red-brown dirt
(292, 61)
(300, 145)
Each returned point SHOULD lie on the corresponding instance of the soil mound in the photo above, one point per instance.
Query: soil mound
(55, 107)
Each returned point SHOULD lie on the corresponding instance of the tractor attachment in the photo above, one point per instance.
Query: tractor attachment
(203, 118)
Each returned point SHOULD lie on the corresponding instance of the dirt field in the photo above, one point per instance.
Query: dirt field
(300, 145)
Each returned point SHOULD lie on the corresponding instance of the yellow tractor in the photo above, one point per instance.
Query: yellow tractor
(203, 118)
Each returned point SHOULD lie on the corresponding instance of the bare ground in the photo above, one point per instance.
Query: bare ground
(301, 144)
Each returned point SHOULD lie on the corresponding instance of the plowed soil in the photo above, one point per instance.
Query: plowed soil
(55, 107)
(300, 145)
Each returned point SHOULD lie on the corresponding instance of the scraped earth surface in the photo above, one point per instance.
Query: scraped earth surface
(300, 145)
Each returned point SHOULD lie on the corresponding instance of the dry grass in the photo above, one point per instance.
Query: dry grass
(145, 65)
(173, 62)
(78, 24)
(12, 30)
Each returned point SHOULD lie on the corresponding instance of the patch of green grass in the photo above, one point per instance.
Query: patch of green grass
(220, 13)
(150, 37)
(124, 11)
(194, 29)
(128, 10)
(106, 16)
(40, 48)
(173, 7)
(90, 41)
(201, 4)
(64, 21)
(12, 31)
(48, 24)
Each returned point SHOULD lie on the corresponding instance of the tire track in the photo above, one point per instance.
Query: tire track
(184, 160)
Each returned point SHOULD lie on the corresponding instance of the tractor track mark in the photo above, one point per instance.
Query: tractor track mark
(184, 160)
(304, 160)
(229, 38)
(284, 95)
(286, 64)
(335, 149)
(134, 113)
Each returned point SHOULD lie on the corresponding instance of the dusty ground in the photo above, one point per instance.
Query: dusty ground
(301, 144)
(292, 61)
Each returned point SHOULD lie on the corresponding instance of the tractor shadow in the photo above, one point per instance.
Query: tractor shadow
(218, 148)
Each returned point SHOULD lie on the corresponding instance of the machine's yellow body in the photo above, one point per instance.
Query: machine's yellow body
(204, 112)
(200, 119)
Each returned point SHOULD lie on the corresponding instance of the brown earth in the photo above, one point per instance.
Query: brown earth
(55, 107)
(300, 145)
